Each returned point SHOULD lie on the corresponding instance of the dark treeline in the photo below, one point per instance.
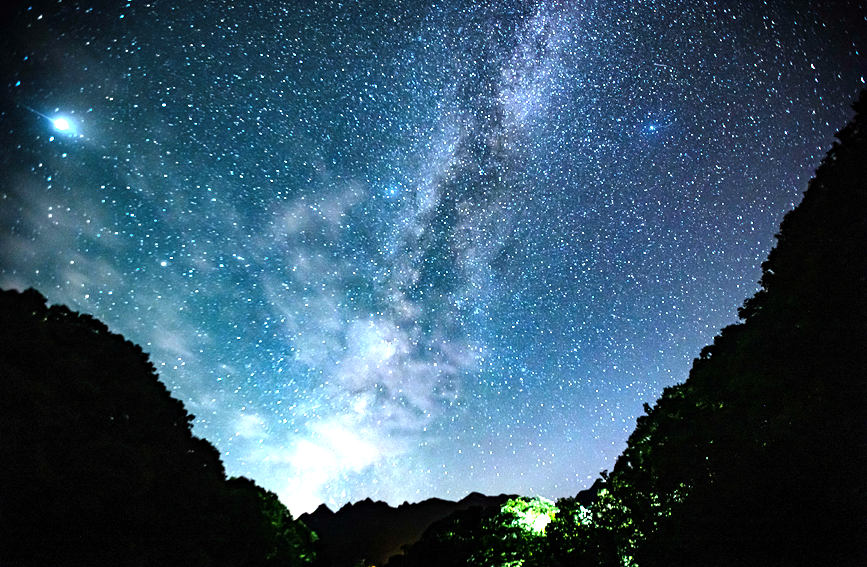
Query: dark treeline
(99, 465)
(759, 457)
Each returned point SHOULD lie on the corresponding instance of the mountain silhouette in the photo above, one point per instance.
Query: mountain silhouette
(369, 532)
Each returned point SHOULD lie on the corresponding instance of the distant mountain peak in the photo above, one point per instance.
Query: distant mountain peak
(322, 509)
(374, 531)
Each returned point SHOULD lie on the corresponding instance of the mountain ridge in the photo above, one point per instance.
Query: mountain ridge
(373, 531)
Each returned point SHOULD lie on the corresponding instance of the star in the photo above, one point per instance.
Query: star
(61, 124)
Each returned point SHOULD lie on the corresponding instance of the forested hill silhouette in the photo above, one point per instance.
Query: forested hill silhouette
(760, 457)
(99, 463)
(371, 532)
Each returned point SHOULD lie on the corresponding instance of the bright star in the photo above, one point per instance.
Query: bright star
(61, 124)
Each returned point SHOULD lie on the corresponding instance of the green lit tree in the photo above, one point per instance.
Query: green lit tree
(512, 535)
(515, 535)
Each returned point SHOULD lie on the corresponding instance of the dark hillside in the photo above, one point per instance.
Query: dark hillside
(99, 463)
(760, 457)
(374, 531)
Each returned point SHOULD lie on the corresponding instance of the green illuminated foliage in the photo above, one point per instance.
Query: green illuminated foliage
(531, 515)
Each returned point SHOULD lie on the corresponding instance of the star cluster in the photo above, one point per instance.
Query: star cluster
(404, 250)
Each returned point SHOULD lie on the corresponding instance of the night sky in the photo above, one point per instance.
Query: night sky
(404, 250)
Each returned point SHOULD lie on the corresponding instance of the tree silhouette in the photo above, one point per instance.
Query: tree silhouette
(99, 463)
(759, 457)
(512, 534)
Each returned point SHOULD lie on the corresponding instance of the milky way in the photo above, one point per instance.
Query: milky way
(409, 250)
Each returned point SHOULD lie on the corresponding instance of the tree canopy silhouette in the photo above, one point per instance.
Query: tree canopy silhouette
(99, 462)
(759, 457)
(510, 534)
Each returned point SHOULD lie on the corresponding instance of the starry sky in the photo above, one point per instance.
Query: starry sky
(411, 249)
